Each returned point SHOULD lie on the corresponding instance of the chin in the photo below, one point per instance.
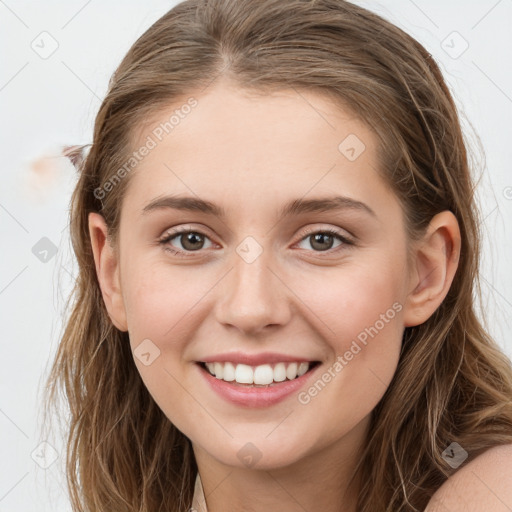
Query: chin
(259, 454)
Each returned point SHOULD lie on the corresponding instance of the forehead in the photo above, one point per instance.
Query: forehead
(245, 146)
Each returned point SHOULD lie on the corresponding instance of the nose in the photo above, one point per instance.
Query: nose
(253, 297)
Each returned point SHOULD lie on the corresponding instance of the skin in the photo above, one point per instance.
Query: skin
(251, 154)
(483, 483)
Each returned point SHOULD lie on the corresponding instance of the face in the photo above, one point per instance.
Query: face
(237, 278)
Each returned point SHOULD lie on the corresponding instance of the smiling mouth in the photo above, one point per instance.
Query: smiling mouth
(265, 375)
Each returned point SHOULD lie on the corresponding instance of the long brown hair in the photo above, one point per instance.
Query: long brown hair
(452, 384)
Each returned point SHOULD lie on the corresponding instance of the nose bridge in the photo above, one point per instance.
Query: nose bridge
(252, 296)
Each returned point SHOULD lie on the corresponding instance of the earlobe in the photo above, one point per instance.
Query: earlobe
(436, 259)
(107, 270)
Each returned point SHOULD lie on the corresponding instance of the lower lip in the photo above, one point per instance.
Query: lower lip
(249, 396)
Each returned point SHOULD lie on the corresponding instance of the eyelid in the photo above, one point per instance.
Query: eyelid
(183, 229)
(348, 237)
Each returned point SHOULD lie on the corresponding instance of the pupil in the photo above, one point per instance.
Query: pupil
(192, 238)
(319, 237)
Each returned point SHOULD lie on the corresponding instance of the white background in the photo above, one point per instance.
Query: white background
(46, 103)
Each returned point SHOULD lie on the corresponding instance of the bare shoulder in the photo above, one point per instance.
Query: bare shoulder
(482, 484)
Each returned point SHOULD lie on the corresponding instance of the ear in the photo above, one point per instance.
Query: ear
(107, 270)
(435, 261)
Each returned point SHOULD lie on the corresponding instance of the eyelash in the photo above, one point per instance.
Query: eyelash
(182, 254)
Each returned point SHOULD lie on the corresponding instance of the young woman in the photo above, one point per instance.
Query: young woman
(278, 246)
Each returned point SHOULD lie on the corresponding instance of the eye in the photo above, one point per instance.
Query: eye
(190, 241)
(322, 240)
(193, 240)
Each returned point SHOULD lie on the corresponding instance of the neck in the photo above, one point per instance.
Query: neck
(319, 481)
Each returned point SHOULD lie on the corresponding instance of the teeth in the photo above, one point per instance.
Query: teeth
(303, 368)
(291, 371)
(243, 374)
(260, 375)
(219, 370)
(229, 372)
(263, 374)
(280, 372)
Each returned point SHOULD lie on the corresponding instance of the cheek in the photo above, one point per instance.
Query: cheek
(160, 300)
(361, 320)
(349, 303)
(160, 304)
(373, 327)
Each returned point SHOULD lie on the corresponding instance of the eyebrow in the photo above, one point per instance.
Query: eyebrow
(294, 207)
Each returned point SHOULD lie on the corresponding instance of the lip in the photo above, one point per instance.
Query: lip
(255, 359)
(255, 397)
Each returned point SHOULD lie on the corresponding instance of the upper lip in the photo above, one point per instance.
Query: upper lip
(255, 359)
